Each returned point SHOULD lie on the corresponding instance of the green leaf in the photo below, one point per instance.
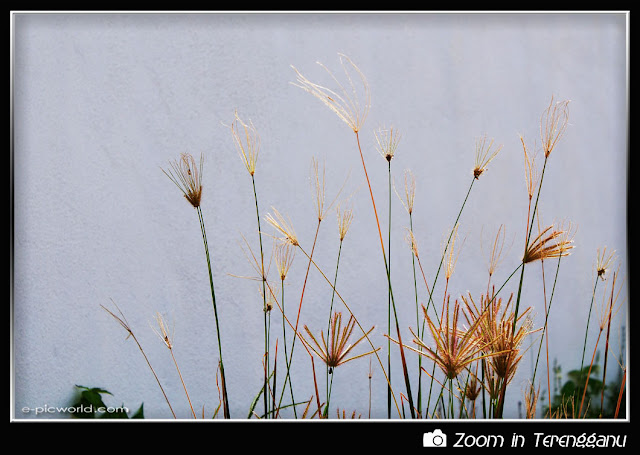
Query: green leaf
(139, 413)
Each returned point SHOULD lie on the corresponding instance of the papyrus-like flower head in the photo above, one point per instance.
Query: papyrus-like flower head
(553, 124)
(350, 101)
(387, 140)
(334, 351)
(484, 155)
(552, 242)
(188, 177)
(247, 142)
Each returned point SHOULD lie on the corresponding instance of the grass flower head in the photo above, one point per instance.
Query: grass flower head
(247, 142)
(344, 101)
(334, 351)
(484, 155)
(387, 141)
(553, 124)
(550, 243)
(187, 176)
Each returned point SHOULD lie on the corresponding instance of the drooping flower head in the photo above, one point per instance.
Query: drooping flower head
(187, 176)
(351, 103)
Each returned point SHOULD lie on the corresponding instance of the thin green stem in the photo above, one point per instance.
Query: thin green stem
(389, 300)
(384, 256)
(415, 289)
(225, 398)
(264, 296)
(286, 359)
(375, 351)
(546, 319)
(333, 294)
(586, 332)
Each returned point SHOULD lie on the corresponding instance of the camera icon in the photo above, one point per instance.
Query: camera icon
(434, 439)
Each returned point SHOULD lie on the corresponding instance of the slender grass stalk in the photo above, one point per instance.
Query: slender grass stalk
(606, 352)
(606, 319)
(182, 381)
(225, 397)
(123, 322)
(286, 359)
(333, 294)
(366, 336)
(624, 380)
(547, 310)
(415, 291)
(404, 362)
(389, 298)
(586, 332)
(264, 293)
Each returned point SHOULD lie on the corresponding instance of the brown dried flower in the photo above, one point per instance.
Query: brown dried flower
(187, 177)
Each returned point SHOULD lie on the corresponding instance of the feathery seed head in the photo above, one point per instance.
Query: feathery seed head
(345, 217)
(411, 240)
(187, 176)
(553, 124)
(284, 254)
(387, 141)
(496, 250)
(531, 173)
(163, 332)
(603, 262)
(484, 155)
(283, 226)
(247, 142)
(345, 103)
(451, 255)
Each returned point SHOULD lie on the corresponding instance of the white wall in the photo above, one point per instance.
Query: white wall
(102, 102)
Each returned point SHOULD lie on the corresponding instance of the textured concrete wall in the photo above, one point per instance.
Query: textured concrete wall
(102, 102)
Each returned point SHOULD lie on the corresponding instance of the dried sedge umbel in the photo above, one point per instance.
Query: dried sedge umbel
(387, 140)
(531, 173)
(455, 349)
(484, 155)
(187, 176)
(333, 352)
(553, 124)
(550, 243)
(603, 262)
(345, 101)
(247, 142)
(283, 226)
(345, 217)
(283, 255)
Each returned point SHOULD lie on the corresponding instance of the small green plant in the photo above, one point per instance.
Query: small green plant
(89, 405)
(567, 397)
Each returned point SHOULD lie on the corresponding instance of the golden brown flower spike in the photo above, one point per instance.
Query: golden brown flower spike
(187, 177)
(335, 351)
